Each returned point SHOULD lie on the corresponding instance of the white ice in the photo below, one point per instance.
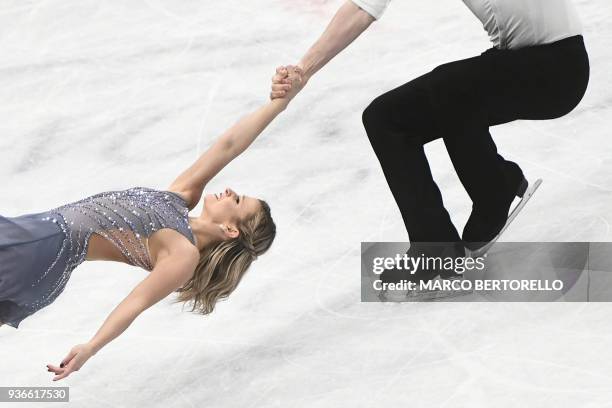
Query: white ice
(96, 96)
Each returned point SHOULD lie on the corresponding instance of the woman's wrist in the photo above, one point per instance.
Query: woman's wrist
(279, 104)
(93, 346)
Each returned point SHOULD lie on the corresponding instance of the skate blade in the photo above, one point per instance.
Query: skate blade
(392, 295)
(434, 295)
(422, 295)
(528, 193)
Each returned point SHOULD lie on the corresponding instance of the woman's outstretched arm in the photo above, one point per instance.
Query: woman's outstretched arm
(347, 24)
(170, 272)
(231, 144)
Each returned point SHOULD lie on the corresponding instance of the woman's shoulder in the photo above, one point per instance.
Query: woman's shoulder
(168, 243)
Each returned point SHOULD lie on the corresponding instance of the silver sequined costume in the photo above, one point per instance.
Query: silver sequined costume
(38, 252)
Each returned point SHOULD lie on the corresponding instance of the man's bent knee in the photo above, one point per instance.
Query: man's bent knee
(375, 115)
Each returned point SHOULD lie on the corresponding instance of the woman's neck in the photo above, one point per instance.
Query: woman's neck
(205, 232)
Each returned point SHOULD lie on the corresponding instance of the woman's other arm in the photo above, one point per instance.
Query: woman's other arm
(170, 272)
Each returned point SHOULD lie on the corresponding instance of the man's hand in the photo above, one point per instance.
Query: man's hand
(73, 361)
(287, 82)
(346, 25)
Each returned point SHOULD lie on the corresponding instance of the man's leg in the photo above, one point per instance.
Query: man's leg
(541, 82)
(458, 101)
(458, 92)
(397, 123)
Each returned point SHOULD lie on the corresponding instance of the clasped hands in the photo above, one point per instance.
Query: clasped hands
(287, 82)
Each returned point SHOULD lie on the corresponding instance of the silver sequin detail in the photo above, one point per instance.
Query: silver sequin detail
(125, 218)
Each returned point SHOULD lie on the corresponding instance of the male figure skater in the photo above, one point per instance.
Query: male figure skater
(538, 68)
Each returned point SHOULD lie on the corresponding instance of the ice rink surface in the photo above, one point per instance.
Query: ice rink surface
(97, 96)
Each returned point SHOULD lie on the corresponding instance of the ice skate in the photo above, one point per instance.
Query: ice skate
(432, 284)
(525, 192)
(397, 276)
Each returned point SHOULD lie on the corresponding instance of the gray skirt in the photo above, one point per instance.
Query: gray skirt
(32, 263)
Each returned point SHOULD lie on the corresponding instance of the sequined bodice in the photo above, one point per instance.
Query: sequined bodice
(125, 218)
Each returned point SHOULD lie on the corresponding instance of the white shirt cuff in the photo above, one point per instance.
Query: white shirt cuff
(372, 10)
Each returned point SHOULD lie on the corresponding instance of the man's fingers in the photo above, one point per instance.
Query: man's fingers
(295, 69)
(281, 72)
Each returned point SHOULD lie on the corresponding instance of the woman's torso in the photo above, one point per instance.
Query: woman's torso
(132, 226)
(101, 249)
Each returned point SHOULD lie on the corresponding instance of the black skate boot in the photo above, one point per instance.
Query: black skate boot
(485, 224)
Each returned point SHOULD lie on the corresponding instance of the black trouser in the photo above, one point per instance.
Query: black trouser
(459, 101)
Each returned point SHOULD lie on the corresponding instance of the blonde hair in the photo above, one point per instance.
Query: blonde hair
(222, 266)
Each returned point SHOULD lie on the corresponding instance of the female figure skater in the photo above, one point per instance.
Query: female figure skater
(538, 68)
(203, 258)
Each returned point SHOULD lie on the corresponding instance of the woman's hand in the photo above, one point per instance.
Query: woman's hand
(287, 82)
(73, 361)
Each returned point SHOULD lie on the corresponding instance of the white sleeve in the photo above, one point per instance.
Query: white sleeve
(375, 8)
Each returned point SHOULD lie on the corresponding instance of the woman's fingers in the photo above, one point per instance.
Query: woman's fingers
(278, 94)
(59, 372)
(67, 359)
(280, 87)
(78, 355)
(65, 374)
(279, 79)
(54, 369)
(68, 369)
(279, 90)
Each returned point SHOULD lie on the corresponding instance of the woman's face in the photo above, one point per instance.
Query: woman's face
(229, 207)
